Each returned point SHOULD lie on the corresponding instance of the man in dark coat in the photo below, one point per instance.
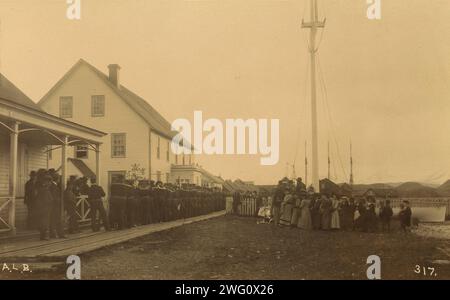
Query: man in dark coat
(43, 203)
(30, 199)
(56, 225)
(70, 205)
(95, 195)
(118, 204)
(386, 214)
(132, 204)
(405, 216)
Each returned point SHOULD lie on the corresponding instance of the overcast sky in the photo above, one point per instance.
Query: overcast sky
(387, 81)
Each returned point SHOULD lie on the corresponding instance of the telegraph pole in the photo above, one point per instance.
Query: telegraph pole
(329, 161)
(351, 165)
(313, 27)
(306, 166)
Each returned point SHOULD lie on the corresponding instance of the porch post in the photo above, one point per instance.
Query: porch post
(63, 174)
(97, 163)
(14, 141)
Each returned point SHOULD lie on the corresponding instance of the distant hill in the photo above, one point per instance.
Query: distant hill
(365, 187)
(415, 189)
(444, 189)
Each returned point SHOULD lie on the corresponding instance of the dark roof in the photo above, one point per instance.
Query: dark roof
(156, 121)
(82, 167)
(10, 92)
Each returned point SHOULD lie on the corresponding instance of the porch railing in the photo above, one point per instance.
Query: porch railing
(83, 209)
(5, 206)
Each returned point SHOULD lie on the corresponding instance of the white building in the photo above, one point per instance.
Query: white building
(137, 133)
(26, 132)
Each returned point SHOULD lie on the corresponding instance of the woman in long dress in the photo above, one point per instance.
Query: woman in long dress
(305, 221)
(296, 211)
(325, 209)
(335, 220)
(286, 210)
(315, 212)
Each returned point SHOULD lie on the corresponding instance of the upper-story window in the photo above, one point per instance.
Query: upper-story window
(176, 159)
(81, 152)
(66, 107)
(98, 106)
(158, 149)
(118, 145)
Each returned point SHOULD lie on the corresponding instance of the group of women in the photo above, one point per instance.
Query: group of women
(291, 207)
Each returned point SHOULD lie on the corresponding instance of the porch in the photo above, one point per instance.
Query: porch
(26, 136)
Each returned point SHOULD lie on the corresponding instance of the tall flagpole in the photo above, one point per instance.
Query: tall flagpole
(313, 25)
(306, 166)
(351, 164)
(329, 161)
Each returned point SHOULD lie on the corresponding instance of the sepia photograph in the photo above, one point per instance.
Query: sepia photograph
(211, 142)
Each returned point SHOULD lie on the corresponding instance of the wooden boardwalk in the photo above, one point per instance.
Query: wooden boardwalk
(76, 244)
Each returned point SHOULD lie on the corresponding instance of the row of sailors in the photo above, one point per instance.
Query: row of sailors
(129, 205)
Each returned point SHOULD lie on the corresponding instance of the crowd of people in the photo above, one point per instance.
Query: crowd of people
(131, 203)
(295, 206)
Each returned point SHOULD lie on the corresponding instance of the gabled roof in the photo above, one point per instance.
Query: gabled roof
(9, 91)
(157, 122)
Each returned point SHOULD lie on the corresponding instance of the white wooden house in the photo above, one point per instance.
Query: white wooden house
(137, 133)
(26, 133)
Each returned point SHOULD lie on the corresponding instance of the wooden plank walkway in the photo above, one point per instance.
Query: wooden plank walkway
(77, 244)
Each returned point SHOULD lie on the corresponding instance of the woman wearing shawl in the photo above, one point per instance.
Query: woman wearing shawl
(315, 212)
(325, 210)
(286, 209)
(305, 221)
(335, 220)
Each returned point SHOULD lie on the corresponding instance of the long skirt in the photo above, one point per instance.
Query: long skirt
(335, 220)
(295, 216)
(326, 220)
(286, 214)
(316, 220)
(305, 221)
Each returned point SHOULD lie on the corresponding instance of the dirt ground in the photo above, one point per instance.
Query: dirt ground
(232, 247)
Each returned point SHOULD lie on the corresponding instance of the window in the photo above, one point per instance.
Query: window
(118, 145)
(98, 106)
(190, 159)
(158, 149)
(81, 152)
(167, 177)
(184, 159)
(66, 107)
(158, 175)
(176, 159)
(167, 152)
